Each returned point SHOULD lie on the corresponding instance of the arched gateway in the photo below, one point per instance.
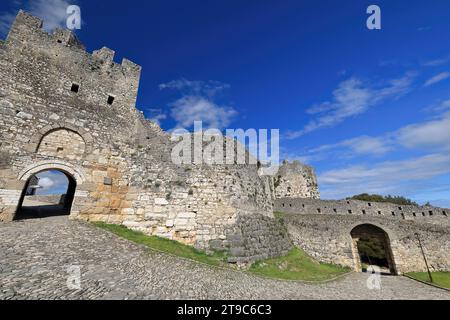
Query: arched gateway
(32, 206)
(371, 246)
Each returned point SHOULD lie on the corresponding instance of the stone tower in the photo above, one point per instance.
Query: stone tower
(64, 109)
(296, 180)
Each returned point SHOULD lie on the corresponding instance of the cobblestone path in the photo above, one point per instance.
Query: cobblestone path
(35, 256)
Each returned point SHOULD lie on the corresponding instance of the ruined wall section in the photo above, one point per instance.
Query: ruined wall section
(295, 180)
(55, 115)
(327, 238)
(194, 204)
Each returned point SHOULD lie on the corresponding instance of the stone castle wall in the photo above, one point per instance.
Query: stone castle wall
(424, 214)
(323, 230)
(327, 238)
(65, 109)
(295, 180)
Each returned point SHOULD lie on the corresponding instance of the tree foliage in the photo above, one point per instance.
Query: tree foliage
(378, 198)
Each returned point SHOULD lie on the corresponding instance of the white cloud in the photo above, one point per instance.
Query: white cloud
(188, 109)
(428, 135)
(432, 135)
(351, 98)
(437, 78)
(53, 12)
(197, 103)
(359, 146)
(156, 115)
(437, 62)
(403, 177)
(202, 88)
(46, 183)
(52, 182)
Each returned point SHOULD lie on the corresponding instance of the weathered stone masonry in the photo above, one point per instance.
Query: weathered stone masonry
(62, 108)
(295, 180)
(323, 229)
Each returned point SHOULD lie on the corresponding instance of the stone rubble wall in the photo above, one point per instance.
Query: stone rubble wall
(120, 161)
(295, 180)
(402, 213)
(327, 239)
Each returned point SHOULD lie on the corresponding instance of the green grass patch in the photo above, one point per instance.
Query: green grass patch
(297, 265)
(165, 245)
(441, 279)
(279, 215)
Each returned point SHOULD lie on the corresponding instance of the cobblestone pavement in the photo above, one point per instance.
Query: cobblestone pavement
(35, 256)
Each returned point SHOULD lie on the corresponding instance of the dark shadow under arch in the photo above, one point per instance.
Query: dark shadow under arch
(62, 208)
(372, 246)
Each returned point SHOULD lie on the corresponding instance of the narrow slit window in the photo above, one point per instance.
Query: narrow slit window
(110, 100)
(75, 88)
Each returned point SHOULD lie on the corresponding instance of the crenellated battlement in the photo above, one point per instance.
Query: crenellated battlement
(427, 214)
(27, 30)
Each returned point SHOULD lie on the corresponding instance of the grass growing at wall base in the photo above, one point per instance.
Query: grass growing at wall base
(165, 245)
(441, 279)
(297, 265)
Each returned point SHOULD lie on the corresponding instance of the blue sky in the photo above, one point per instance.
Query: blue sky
(369, 109)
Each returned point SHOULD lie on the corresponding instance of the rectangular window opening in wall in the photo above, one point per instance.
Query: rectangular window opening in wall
(379, 212)
(318, 210)
(110, 100)
(303, 205)
(414, 214)
(430, 212)
(423, 214)
(75, 87)
(403, 216)
(444, 213)
(393, 213)
(364, 212)
(335, 210)
(282, 205)
(369, 204)
(350, 211)
(400, 208)
(290, 205)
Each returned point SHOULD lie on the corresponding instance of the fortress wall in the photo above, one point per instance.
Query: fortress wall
(327, 238)
(120, 161)
(295, 180)
(425, 214)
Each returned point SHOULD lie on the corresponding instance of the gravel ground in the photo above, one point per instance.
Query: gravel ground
(37, 255)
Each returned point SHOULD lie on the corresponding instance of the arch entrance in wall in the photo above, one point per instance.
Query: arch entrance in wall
(371, 246)
(60, 181)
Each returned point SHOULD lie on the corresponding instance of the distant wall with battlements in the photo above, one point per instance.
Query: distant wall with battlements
(323, 229)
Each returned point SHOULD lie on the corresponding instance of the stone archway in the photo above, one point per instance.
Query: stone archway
(75, 178)
(371, 245)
